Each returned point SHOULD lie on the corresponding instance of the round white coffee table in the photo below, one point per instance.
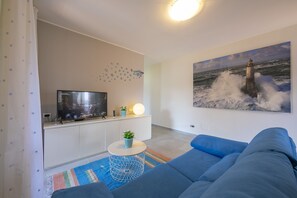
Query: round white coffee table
(126, 164)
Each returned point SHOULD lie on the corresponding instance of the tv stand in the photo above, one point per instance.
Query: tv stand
(79, 119)
(71, 141)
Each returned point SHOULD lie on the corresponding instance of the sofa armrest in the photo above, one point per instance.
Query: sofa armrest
(217, 146)
(93, 190)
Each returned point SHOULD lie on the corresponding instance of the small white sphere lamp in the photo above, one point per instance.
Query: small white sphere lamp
(138, 109)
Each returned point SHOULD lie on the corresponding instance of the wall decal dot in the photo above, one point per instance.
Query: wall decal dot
(2, 105)
(5, 57)
(37, 170)
(7, 33)
(10, 45)
(10, 189)
(36, 151)
(11, 21)
(34, 132)
(10, 69)
(10, 94)
(31, 92)
(10, 142)
(8, 9)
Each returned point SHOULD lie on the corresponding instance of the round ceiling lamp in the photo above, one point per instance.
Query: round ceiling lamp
(181, 10)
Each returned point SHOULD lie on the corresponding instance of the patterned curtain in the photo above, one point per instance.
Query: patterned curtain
(21, 152)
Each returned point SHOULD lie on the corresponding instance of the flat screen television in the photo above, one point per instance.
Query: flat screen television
(75, 105)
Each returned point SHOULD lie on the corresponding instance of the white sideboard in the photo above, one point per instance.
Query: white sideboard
(64, 143)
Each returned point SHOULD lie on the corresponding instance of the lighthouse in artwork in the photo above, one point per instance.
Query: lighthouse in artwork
(250, 85)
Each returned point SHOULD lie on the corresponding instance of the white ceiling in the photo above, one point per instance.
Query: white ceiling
(143, 25)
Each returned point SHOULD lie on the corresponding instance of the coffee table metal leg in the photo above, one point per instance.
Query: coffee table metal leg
(126, 168)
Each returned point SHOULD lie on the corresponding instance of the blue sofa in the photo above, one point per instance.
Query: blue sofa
(215, 167)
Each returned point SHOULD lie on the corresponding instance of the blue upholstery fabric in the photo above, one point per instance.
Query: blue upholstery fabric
(258, 175)
(271, 139)
(217, 146)
(196, 189)
(93, 190)
(293, 145)
(217, 170)
(163, 181)
(194, 163)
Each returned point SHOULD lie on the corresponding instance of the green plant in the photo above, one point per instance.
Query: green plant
(123, 108)
(128, 134)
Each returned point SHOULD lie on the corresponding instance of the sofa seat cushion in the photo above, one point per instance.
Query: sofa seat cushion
(196, 189)
(258, 175)
(217, 170)
(212, 174)
(194, 163)
(162, 181)
(93, 190)
(217, 146)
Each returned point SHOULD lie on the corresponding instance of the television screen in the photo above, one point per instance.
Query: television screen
(72, 105)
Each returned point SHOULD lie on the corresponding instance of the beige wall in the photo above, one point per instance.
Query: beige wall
(172, 104)
(71, 61)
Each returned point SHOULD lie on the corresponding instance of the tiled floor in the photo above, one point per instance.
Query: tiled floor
(168, 142)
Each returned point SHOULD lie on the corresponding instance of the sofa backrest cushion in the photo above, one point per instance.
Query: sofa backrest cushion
(217, 170)
(217, 146)
(293, 147)
(258, 175)
(271, 139)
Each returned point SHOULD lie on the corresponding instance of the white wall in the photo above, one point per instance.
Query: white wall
(71, 61)
(171, 94)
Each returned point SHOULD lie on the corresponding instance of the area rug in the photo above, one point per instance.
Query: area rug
(97, 171)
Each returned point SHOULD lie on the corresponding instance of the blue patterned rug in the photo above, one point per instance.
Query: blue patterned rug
(97, 171)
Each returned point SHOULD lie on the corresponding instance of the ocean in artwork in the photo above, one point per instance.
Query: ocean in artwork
(219, 83)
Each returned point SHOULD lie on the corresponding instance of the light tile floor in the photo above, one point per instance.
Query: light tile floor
(168, 142)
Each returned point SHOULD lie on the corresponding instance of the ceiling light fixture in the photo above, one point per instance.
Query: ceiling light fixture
(181, 10)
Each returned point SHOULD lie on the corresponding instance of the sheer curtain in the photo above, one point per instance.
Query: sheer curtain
(21, 153)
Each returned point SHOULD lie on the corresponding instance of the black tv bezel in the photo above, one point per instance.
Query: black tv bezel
(80, 91)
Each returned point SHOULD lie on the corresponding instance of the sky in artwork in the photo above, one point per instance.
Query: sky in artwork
(274, 52)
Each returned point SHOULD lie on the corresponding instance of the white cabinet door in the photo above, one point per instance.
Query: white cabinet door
(140, 126)
(92, 139)
(113, 132)
(61, 145)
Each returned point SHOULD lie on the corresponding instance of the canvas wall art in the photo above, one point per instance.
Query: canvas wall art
(255, 80)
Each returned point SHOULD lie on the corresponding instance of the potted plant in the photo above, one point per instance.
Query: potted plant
(123, 111)
(128, 138)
